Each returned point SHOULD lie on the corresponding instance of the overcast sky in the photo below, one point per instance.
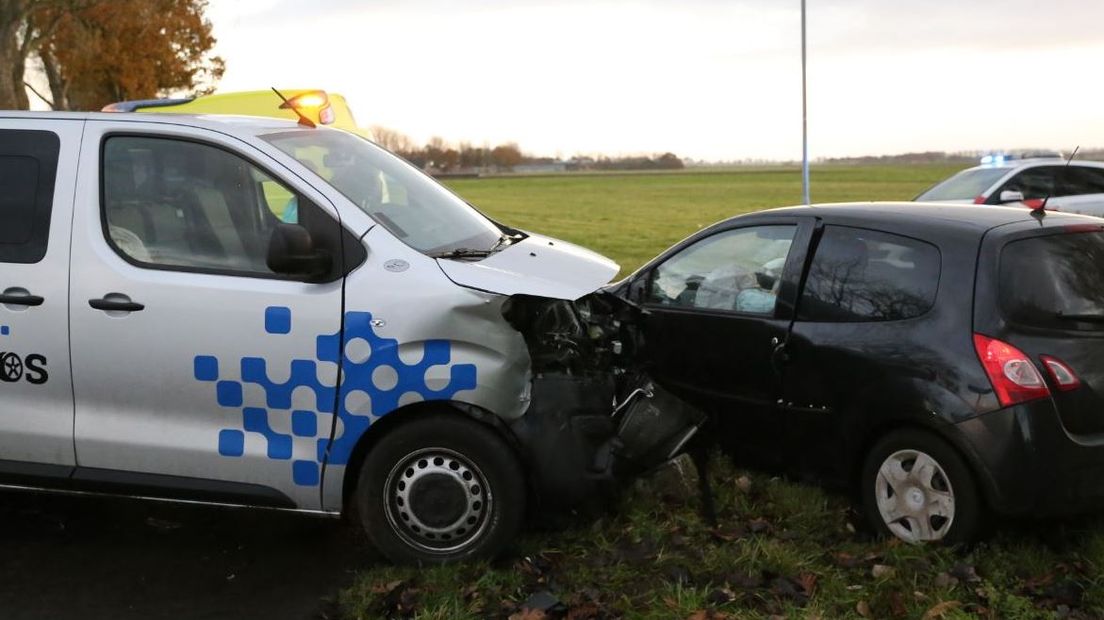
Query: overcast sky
(708, 79)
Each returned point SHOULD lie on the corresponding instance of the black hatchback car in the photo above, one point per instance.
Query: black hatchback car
(941, 359)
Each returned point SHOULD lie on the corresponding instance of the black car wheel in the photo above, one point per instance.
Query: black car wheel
(439, 489)
(917, 488)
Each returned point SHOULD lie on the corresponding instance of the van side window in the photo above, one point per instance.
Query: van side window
(863, 275)
(174, 203)
(28, 170)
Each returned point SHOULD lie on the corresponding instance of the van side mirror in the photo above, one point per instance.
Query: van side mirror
(291, 252)
(1010, 195)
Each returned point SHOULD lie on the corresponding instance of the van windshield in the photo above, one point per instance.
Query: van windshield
(1055, 281)
(398, 196)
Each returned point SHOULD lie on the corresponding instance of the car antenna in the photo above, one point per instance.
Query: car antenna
(1041, 209)
(303, 120)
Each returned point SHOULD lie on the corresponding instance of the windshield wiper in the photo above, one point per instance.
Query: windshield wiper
(505, 240)
(462, 253)
(1088, 318)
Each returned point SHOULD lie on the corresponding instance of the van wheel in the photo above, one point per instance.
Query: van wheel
(440, 489)
(917, 488)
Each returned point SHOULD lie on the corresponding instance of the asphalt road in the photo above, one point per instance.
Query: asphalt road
(79, 557)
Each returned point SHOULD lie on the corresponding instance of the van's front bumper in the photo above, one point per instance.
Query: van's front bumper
(1028, 463)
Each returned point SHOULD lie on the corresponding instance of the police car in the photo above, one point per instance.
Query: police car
(250, 311)
(1073, 186)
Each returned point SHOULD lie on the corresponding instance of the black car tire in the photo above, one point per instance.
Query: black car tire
(909, 495)
(439, 489)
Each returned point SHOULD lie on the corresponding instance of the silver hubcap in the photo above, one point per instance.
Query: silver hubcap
(437, 500)
(914, 496)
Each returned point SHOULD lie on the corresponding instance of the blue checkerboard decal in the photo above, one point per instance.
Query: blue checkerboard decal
(375, 382)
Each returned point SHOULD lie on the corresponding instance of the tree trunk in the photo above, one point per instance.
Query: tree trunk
(13, 96)
(59, 89)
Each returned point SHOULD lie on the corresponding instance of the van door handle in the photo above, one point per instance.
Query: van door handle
(21, 300)
(116, 304)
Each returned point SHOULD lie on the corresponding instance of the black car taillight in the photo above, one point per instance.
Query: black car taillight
(1014, 377)
(1060, 372)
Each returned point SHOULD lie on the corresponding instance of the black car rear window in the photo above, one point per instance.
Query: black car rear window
(1054, 281)
(866, 275)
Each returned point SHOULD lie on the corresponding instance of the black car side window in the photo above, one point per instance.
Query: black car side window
(28, 169)
(864, 275)
(736, 270)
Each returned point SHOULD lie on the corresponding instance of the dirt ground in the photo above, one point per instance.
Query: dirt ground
(80, 557)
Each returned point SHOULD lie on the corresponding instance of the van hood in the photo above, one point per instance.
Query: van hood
(538, 266)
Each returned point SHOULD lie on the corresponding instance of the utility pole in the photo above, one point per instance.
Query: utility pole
(804, 117)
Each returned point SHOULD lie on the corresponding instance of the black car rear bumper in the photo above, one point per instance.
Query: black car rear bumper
(1028, 464)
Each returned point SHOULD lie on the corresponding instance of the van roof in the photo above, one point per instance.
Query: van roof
(226, 123)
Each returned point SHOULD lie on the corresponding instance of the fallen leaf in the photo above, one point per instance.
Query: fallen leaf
(758, 526)
(808, 583)
(940, 610)
(965, 572)
(863, 609)
(879, 571)
(720, 596)
(944, 580)
(729, 534)
(897, 605)
(529, 614)
(385, 588)
(589, 611)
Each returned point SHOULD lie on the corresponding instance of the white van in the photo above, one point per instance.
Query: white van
(250, 312)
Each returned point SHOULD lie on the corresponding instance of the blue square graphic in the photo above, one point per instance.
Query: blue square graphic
(304, 423)
(278, 320)
(4, 330)
(206, 368)
(229, 393)
(305, 473)
(231, 442)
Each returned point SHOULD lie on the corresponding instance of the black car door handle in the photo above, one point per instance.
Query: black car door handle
(21, 300)
(779, 355)
(117, 305)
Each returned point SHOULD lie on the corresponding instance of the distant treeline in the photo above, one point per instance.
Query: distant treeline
(960, 157)
(441, 157)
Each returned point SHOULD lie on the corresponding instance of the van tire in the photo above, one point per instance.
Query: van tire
(939, 503)
(440, 489)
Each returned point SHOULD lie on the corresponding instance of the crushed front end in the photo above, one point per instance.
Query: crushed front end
(596, 418)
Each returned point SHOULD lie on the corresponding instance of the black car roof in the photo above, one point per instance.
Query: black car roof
(928, 216)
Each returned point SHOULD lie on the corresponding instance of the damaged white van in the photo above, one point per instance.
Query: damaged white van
(245, 311)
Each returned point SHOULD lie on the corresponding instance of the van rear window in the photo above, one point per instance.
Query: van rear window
(1054, 281)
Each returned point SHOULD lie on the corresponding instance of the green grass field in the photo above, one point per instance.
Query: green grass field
(632, 217)
(783, 549)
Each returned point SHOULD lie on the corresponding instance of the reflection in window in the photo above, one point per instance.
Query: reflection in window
(738, 270)
(862, 275)
(1054, 281)
(178, 203)
(1035, 183)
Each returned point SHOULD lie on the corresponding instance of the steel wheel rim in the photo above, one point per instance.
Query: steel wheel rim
(433, 475)
(914, 496)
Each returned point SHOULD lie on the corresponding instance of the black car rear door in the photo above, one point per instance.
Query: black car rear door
(719, 307)
(857, 339)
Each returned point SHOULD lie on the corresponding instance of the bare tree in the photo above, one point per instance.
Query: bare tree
(394, 141)
(20, 35)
